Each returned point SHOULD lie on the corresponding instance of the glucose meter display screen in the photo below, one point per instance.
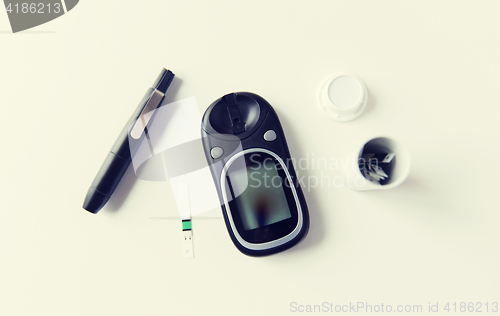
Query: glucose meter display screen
(259, 194)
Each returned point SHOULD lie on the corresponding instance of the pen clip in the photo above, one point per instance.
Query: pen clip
(147, 113)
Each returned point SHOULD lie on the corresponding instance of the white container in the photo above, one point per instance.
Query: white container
(343, 97)
(353, 177)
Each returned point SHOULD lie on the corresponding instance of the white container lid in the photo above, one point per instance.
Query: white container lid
(343, 97)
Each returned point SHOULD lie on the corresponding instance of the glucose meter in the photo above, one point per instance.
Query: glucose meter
(263, 205)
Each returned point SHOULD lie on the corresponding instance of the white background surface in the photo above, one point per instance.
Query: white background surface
(67, 87)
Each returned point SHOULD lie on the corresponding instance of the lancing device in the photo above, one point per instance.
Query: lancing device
(126, 146)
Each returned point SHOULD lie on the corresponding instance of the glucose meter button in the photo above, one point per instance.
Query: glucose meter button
(216, 152)
(270, 135)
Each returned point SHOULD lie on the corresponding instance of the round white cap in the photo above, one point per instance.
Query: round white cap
(343, 97)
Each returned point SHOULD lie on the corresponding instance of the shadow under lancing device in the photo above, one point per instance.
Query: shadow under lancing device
(262, 203)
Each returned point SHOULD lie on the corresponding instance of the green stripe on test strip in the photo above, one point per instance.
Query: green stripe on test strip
(186, 225)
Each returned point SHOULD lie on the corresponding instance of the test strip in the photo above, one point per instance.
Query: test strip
(187, 244)
(184, 208)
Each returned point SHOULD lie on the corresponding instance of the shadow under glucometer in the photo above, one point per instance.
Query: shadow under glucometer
(129, 178)
(317, 228)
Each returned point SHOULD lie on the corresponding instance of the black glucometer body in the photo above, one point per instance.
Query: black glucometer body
(263, 205)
